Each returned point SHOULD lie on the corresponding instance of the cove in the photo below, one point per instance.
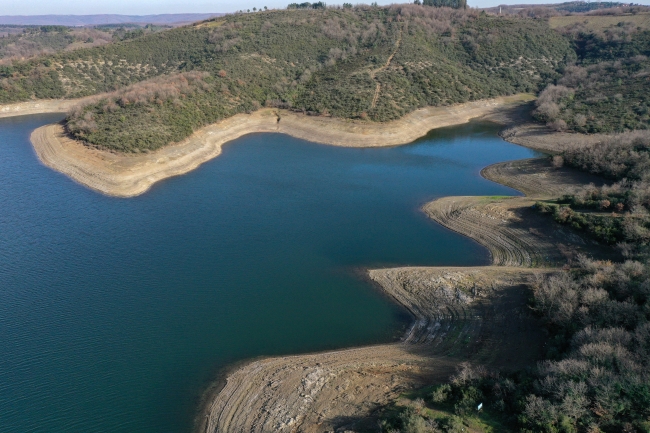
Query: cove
(116, 314)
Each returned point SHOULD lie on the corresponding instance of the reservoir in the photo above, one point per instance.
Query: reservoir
(116, 314)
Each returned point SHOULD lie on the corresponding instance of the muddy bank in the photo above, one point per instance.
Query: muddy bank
(126, 175)
(459, 314)
(513, 232)
(539, 137)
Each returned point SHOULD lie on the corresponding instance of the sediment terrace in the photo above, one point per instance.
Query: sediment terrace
(460, 313)
(513, 232)
(40, 106)
(477, 314)
(127, 175)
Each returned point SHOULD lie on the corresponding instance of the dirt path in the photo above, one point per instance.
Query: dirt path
(127, 175)
(38, 107)
(374, 73)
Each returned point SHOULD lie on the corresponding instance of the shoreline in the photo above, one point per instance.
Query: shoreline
(129, 175)
(436, 339)
(41, 106)
(313, 392)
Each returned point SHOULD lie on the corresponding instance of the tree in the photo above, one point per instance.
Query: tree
(456, 4)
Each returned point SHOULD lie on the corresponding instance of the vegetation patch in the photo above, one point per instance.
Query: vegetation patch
(374, 63)
(594, 379)
(614, 214)
(606, 90)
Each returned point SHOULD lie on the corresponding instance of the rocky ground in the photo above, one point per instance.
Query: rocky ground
(460, 314)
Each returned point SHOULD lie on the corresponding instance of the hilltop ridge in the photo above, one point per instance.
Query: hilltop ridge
(366, 63)
(102, 19)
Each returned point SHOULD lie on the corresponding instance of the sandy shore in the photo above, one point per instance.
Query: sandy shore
(38, 107)
(125, 175)
(513, 232)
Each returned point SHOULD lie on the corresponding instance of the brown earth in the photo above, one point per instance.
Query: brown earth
(478, 314)
(513, 232)
(538, 178)
(539, 137)
(522, 129)
(127, 175)
(38, 107)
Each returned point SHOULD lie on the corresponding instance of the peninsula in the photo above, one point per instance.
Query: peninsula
(127, 174)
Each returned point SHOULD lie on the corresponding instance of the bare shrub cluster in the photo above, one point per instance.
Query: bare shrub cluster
(550, 103)
(438, 21)
(33, 42)
(602, 337)
(620, 156)
(81, 119)
(595, 376)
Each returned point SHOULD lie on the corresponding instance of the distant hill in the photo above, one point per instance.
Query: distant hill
(103, 19)
(571, 7)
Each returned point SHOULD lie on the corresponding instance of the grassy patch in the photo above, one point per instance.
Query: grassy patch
(412, 414)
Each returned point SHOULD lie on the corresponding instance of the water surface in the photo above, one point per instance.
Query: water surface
(115, 314)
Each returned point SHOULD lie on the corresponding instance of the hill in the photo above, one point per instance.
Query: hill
(370, 63)
(607, 89)
(101, 19)
(18, 43)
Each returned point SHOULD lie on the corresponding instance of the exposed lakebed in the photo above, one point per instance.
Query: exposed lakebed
(115, 314)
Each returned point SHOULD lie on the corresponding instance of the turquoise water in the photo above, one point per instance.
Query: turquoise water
(115, 314)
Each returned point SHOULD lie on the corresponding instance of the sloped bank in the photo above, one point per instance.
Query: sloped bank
(459, 314)
(40, 106)
(127, 175)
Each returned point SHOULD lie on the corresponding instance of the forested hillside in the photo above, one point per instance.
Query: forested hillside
(366, 62)
(607, 89)
(18, 43)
